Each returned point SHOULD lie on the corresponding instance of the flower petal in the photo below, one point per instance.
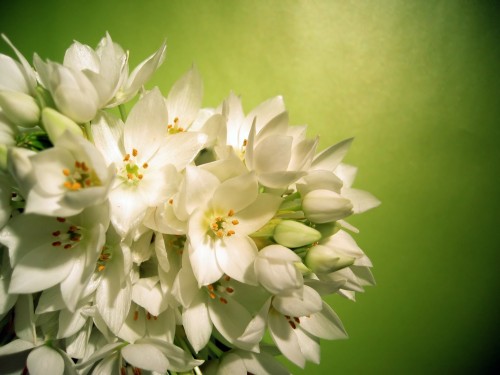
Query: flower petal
(145, 356)
(284, 338)
(197, 323)
(235, 256)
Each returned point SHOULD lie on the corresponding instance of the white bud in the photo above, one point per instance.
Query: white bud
(56, 124)
(20, 108)
(291, 233)
(323, 206)
(323, 259)
(20, 168)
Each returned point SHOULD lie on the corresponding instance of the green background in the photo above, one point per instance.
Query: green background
(417, 83)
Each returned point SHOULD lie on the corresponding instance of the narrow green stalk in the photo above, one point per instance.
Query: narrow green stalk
(88, 132)
(215, 349)
(123, 112)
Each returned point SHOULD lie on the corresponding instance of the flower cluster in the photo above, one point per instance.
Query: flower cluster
(174, 238)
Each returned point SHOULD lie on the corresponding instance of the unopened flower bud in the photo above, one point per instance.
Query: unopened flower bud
(56, 124)
(323, 206)
(323, 259)
(20, 108)
(291, 233)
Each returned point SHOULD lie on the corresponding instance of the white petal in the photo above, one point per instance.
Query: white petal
(199, 187)
(70, 323)
(109, 365)
(197, 323)
(257, 326)
(44, 360)
(331, 157)
(230, 319)
(236, 193)
(127, 208)
(145, 126)
(293, 304)
(204, 261)
(361, 200)
(272, 154)
(40, 269)
(185, 286)
(146, 357)
(107, 132)
(184, 98)
(231, 364)
(265, 112)
(152, 299)
(309, 346)
(113, 301)
(15, 346)
(284, 338)
(235, 256)
(24, 324)
(262, 363)
(143, 72)
(258, 213)
(324, 324)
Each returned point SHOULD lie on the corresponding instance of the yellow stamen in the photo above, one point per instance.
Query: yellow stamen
(134, 152)
(235, 222)
(66, 172)
(145, 165)
(127, 157)
(230, 213)
(101, 268)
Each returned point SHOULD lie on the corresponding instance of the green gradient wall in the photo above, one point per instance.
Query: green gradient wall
(416, 82)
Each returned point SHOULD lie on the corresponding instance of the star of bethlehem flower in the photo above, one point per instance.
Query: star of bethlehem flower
(176, 238)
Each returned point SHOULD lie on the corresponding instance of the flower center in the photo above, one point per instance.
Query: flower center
(223, 226)
(132, 171)
(67, 236)
(175, 128)
(80, 177)
(220, 290)
(292, 320)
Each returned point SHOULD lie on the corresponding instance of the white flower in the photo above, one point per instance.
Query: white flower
(210, 305)
(69, 177)
(241, 362)
(107, 69)
(145, 158)
(225, 215)
(323, 206)
(20, 108)
(73, 93)
(57, 251)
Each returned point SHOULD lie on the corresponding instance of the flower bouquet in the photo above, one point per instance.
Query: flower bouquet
(172, 239)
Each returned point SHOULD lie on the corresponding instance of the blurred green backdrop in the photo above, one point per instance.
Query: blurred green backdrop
(416, 82)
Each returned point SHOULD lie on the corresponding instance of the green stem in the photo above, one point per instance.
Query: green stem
(123, 112)
(88, 132)
(215, 349)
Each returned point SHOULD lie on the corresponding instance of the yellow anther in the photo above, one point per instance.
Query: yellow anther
(76, 186)
(176, 120)
(134, 152)
(145, 165)
(78, 164)
(212, 295)
(127, 157)
(67, 185)
(140, 176)
(210, 287)
(101, 268)
(181, 129)
(136, 315)
(223, 300)
(170, 126)
(84, 167)
(215, 226)
(220, 233)
(66, 172)
(230, 213)
(245, 142)
(170, 201)
(230, 233)
(235, 222)
(130, 176)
